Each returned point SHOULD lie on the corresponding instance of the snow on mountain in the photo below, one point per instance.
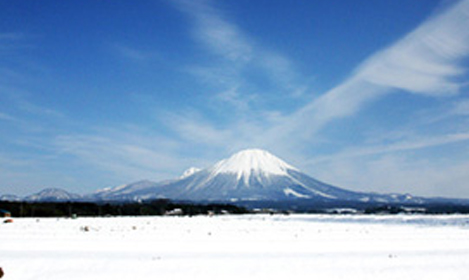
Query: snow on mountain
(53, 195)
(134, 191)
(189, 172)
(252, 162)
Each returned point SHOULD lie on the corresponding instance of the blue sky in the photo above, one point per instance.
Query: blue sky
(366, 95)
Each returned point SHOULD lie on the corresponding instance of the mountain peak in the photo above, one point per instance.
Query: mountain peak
(252, 161)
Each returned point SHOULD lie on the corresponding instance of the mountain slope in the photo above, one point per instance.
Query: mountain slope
(141, 190)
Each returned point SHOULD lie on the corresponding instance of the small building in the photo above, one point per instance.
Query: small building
(5, 213)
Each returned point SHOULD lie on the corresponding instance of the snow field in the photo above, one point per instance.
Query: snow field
(237, 247)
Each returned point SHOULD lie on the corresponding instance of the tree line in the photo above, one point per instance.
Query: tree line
(91, 209)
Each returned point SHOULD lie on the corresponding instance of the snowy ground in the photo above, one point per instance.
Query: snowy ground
(237, 247)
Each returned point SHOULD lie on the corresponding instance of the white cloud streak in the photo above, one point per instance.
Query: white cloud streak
(426, 60)
(219, 35)
(237, 50)
(233, 96)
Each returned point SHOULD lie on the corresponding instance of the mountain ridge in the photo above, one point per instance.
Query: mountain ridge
(247, 176)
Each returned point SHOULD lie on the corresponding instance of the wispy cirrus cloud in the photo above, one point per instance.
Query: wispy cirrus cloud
(239, 55)
(398, 173)
(127, 156)
(234, 97)
(215, 32)
(194, 128)
(400, 146)
(426, 61)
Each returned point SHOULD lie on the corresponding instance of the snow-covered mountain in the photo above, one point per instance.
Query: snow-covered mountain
(249, 175)
(53, 195)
